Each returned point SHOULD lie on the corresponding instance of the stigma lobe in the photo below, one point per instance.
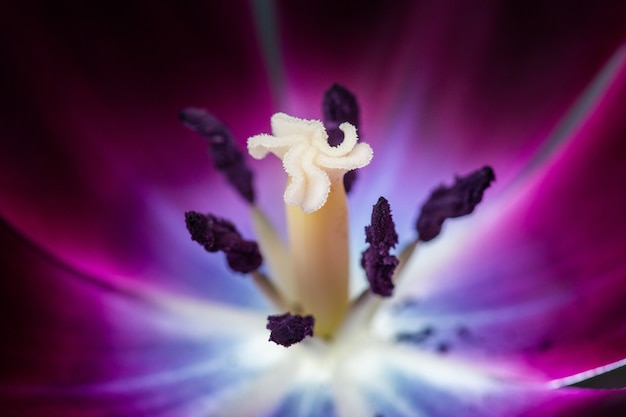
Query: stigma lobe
(310, 162)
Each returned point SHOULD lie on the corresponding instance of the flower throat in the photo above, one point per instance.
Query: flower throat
(310, 275)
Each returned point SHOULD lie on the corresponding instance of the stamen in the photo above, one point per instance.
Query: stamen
(223, 149)
(379, 265)
(216, 234)
(339, 106)
(455, 201)
(288, 329)
(311, 163)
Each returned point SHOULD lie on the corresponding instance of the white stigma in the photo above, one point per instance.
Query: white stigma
(311, 163)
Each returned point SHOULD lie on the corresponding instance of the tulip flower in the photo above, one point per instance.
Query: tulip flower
(481, 260)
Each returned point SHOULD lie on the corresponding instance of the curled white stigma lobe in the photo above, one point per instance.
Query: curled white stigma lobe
(310, 162)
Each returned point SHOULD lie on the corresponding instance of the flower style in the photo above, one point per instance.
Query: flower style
(108, 308)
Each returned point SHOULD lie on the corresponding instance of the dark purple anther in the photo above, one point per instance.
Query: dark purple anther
(455, 201)
(216, 234)
(379, 265)
(288, 329)
(339, 106)
(223, 149)
(244, 256)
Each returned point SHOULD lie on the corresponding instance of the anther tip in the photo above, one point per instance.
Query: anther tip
(226, 156)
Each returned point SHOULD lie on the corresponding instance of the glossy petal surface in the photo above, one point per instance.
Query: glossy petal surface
(537, 277)
(95, 166)
(109, 309)
(88, 347)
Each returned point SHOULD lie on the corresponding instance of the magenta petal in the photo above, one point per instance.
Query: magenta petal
(466, 84)
(73, 346)
(460, 396)
(581, 403)
(538, 280)
(404, 382)
(94, 163)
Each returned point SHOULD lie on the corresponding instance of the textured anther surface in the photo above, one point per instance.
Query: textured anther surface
(216, 234)
(381, 234)
(448, 202)
(288, 329)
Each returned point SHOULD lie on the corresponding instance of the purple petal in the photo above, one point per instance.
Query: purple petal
(88, 171)
(94, 165)
(537, 280)
(448, 85)
(434, 387)
(76, 346)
